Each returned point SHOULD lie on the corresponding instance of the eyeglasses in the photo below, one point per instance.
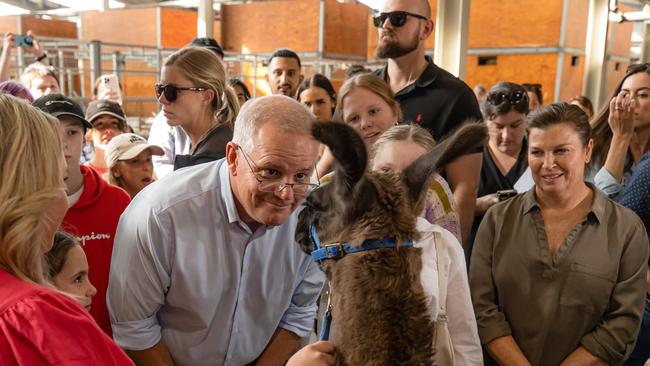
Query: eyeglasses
(275, 185)
(171, 91)
(497, 98)
(397, 18)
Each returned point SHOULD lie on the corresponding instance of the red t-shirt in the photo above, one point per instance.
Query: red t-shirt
(41, 327)
(94, 220)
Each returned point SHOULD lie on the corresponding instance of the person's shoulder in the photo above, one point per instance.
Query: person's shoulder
(44, 324)
(188, 183)
(118, 195)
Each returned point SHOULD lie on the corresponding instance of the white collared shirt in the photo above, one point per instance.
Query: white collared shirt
(185, 267)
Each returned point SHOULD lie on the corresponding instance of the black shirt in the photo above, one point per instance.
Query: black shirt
(491, 178)
(211, 148)
(437, 101)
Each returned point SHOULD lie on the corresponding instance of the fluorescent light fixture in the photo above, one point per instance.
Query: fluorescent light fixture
(6, 9)
(373, 4)
(81, 5)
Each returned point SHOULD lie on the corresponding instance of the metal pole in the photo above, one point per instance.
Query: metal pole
(645, 46)
(254, 76)
(95, 61)
(70, 82)
(452, 27)
(559, 70)
(62, 70)
(321, 29)
(596, 46)
(205, 21)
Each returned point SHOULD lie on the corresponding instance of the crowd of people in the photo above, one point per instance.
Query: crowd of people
(181, 249)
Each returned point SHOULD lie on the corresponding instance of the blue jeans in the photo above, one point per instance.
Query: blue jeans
(641, 351)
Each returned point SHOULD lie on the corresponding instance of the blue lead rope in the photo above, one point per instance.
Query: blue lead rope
(338, 250)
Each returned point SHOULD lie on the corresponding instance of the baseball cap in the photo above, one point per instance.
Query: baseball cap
(59, 105)
(102, 107)
(127, 146)
(209, 43)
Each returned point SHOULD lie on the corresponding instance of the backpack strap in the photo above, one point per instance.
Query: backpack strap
(441, 260)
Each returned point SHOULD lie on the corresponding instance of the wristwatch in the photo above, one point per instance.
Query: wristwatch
(42, 57)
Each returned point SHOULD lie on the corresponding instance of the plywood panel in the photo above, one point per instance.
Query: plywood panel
(130, 26)
(178, 27)
(576, 26)
(346, 28)
(514, 23)
(373, 32)
(538, 68)
(261, 27)
(572, 77)
(40, 27)
(620, 35)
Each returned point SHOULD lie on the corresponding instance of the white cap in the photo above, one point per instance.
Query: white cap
(127, 146)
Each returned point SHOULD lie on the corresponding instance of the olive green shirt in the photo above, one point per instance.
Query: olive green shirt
(590, 293)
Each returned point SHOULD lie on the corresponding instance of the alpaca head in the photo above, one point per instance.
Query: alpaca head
(358, 205)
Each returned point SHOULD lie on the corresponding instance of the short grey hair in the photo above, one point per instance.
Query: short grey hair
(285, 113)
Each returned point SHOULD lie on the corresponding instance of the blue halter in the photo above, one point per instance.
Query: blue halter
(338, 250)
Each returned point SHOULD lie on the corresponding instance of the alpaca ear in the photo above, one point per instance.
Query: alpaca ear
(348, 149)
(467, 139)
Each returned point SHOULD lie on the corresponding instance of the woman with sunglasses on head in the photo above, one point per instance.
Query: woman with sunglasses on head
(195, 96)
(622, 131)
(504, 156)
(38, 326)
(557, 274)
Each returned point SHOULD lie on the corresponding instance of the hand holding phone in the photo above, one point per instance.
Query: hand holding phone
(23, 40)
(109, 88)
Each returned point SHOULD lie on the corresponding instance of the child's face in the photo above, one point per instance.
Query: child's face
(135, 173)
(73, 277)
(396, 155)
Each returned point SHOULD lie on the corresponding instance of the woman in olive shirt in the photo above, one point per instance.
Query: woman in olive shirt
(558, 273)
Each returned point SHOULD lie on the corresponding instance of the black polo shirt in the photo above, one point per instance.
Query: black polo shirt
(437, 101)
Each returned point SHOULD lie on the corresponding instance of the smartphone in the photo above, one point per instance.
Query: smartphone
(24, 40)
(110, 83)
(505, 194)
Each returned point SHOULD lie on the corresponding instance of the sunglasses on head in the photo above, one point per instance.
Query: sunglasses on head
(397, 18)
(171, 91)
(514, 98)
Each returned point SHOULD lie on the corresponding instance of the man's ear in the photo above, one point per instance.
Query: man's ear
(266, 77)
(231, 158)
(302, 77)
(427, 29)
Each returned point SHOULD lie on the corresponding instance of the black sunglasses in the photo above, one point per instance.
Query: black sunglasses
(397, 18)
(171, 91)
(497, 98)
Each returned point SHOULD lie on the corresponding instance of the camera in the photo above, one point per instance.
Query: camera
(24, 40)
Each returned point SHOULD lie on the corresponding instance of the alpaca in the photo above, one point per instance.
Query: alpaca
(378, 302)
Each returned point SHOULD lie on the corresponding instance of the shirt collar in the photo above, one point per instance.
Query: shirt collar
(226, 193)
(597, 211)
(427, 77)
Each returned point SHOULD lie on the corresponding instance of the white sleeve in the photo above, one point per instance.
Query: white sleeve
(460, 312)
(140, 276)
(160, 134)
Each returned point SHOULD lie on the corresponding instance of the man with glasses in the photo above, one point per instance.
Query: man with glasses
(428, 95)
(206, 270)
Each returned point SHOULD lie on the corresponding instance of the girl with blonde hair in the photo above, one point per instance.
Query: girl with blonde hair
(400, 146)
(37, 324)
(195, 96)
